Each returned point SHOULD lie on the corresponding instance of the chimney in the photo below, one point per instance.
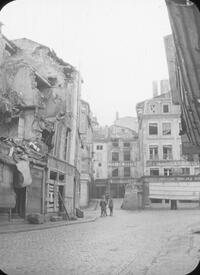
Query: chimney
(164, 86)
(155, 88)
(117, 115)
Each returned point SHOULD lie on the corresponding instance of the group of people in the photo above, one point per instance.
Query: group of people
(104, 202)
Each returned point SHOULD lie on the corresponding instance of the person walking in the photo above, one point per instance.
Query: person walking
(111, 205)
(103, 207)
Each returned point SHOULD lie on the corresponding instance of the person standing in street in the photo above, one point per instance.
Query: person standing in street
(111, 205)
(103, 207)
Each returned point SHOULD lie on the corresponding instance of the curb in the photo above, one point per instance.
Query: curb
(47, 226)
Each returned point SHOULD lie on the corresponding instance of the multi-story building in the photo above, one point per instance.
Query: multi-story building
(100, 164)
(122, 159)
(115, 160)
(40, 111)
(161, 155)
(86, 132)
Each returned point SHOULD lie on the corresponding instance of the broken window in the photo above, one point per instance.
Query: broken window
(153, 128)
(167, 172)
(167, 152)
(153, 152)
(154, 171)
(115, 156)
(115, 172)
(166, 128)
(127, 171)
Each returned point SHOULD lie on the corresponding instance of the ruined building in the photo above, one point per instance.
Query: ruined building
(39, 130)
(86, 157)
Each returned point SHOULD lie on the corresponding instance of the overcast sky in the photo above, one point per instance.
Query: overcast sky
(116, 44)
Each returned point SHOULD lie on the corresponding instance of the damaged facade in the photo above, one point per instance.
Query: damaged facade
(86, 133)
(39, 130)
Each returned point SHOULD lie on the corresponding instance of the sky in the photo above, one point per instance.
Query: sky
(117, 45)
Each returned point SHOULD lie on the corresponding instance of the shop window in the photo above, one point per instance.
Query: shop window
(185, 170)
(167, 152)
(166, 128)
(153, 152)
(127, 171)
(167, 172)
(154, 172)
(165, 108)
(153, 128)
(115, 172)
(115, 156)
(127, 156)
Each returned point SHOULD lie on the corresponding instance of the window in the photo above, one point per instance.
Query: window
(115, 156)
(127, 144)
(99, 147)
(165, 108)
(166, 128)
(185, 171)
(115, 144)
(99, 164)
(127, 156)
(127, 171)
(153, 152)
(167, 172)
(154, 172)
(153, 128)
(115, 172)
(197, 170)
(167, 152)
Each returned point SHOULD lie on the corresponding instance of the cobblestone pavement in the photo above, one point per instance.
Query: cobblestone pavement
(146, 242)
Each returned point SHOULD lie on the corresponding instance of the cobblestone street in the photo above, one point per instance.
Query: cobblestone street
(141, 242)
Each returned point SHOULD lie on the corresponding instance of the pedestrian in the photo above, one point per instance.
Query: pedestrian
(103, 207)
(111, 205)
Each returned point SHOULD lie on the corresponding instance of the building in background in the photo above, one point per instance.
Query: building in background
(115, 160)
(127, 121)
(167, 173)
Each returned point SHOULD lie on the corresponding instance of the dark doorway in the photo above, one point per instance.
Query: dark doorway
(20, 207)
(60, 203)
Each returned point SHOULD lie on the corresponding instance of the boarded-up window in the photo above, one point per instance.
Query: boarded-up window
(153, 128)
